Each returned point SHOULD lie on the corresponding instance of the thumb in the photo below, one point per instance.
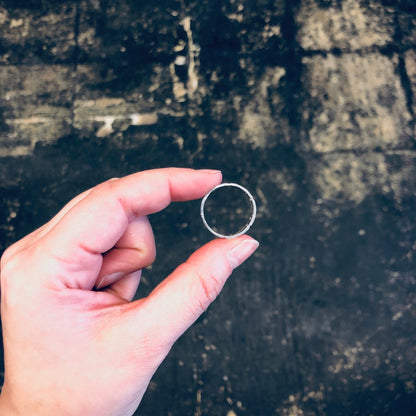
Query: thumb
(180, 299)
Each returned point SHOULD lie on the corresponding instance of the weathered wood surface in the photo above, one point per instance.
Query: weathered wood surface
(311, 105)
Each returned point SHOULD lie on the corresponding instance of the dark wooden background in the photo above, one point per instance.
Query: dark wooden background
(308, 103)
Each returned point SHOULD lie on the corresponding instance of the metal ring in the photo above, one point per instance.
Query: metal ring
(246, 227)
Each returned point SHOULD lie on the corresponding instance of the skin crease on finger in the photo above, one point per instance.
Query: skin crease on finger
(62, 339)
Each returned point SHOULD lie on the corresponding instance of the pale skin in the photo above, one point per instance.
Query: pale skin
(74, 341)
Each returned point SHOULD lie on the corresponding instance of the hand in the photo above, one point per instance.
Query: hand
(74, 342)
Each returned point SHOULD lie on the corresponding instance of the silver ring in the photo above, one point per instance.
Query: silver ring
(246, 227)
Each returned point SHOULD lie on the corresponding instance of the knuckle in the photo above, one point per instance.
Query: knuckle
(210, 289)
(16, 263)
(4, 257)
(9, 264)
(6, 261)
(204, 289)
(107, 186)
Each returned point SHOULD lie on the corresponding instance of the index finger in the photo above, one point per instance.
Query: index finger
(98, 221)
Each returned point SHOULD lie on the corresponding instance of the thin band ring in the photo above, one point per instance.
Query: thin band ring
(246, 227)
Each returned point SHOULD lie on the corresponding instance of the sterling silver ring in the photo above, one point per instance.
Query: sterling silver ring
(246, 227)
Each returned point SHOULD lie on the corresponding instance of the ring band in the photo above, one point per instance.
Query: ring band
(246, 227)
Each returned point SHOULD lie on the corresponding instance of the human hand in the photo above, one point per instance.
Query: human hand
(74, 342)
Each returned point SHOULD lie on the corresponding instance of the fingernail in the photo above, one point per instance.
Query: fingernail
(108, 279)
(241, 252)
(211, 171)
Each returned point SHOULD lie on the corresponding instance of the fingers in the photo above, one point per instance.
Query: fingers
(99, 220)
(126, 287)
(180, 299)
(134, 251)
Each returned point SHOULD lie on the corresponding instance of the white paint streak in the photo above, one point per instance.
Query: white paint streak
(108, 125)
(180, 90)
(136, 119)
(16, 151)
(192, 83)
(30, 120)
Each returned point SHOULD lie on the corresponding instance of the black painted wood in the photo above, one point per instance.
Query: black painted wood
(310, 105)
